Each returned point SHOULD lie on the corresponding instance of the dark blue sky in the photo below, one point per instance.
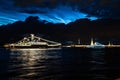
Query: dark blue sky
(58, 11)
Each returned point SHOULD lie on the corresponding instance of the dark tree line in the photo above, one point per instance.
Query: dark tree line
(82, 28)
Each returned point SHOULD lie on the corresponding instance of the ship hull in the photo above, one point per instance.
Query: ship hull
(32, 46)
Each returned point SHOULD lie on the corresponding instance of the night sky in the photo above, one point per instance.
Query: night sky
(58, 11)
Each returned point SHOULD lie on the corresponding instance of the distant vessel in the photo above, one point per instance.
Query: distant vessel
(34, 42)
(95, 45)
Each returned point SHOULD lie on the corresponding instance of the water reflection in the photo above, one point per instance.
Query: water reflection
(32, 63)
(57, 65)
(64, 64)
(98, 68)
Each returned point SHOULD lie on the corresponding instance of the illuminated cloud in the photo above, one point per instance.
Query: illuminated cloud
(58, 11)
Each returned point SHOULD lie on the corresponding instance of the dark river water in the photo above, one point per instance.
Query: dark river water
(60, 64)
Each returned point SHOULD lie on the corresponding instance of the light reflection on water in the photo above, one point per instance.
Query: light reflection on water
(60, 64)
(32, 63)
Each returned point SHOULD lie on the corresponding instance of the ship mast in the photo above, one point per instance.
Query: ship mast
(32, 37)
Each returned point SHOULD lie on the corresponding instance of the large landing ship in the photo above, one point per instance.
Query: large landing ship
(34, 42)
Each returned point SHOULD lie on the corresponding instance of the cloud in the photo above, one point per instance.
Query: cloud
(60, 10)
(34, 10)
(102, 8)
